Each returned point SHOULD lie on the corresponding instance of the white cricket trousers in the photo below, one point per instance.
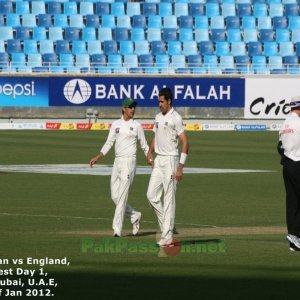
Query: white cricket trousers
(163, 180)
(121, 179)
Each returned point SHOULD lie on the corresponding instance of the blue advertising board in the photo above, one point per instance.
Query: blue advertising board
(24, 91)
(111, 91)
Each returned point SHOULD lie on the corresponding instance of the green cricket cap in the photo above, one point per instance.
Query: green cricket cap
(129, 102)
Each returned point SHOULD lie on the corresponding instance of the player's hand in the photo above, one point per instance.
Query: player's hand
(150, 160)
(179, 172)
(93, 161)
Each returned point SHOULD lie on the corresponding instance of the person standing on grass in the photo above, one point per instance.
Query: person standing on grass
(290, 139)
(167, 167)
(124, 133)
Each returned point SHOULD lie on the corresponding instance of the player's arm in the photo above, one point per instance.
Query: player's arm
(96, 158)
(183, 155)
(151, 150)
(142, 140)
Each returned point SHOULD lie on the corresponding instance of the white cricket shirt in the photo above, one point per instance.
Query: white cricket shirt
(125, 135)
(167, 128)
(290, 136)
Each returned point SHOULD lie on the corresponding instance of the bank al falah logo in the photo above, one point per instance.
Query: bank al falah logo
(77, 91)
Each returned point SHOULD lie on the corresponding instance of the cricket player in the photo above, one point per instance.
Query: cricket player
(167, 166)
(125, 133)
(290, 139)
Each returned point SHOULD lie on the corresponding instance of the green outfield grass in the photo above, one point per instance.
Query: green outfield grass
(49, 215)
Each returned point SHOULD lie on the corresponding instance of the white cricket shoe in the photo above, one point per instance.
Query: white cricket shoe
(294, 240)
(136, 224)
(165, 243)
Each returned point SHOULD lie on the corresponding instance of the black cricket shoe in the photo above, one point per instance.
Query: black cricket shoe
(293, 248)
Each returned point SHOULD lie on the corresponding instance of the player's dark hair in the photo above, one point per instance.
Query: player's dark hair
(167, 93)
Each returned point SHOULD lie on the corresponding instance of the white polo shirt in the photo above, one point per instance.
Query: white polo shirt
(167, 128)
(290, 136)
(125, 135)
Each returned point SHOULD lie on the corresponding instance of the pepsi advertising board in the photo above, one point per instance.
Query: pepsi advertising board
(111, 91)
(24, 91)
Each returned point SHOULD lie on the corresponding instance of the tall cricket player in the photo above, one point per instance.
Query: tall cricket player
(125, 133)
(167, 166)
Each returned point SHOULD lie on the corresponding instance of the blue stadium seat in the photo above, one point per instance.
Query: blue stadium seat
(211, 63)
(55, 33)
(194, 61)
(250, 35)
(130, 61)
(196, 9)
(150, 9)
(234, 35)
(104, 34)
(266, 35)
(86, 8)
(110, 47)
(201, 22)
(108, 21)
(46, 47)
(275, 62)
(186, 22)
(276, 10)
(294, 22)
(38, 7)
(121, 34)
(255, 48)
(17, 60)
(146, 60)
(39, 33)
(154, 22)
(278, 71)
(259, 65)
(178, 61)
(88, 34)
(79, 47)
(181, 9)
(141, 47)
(242, 63)
(2, 47)
(114, 60)
(6, 32)
(44, 20)
(133, 9)
(206, 48)
(296, 35)
(123, 21)
(30, 46)
(158, 47)
(291, 9)
(53, 8)
(222, 49)
(162, 62)
(29, 20)
(297, 49)
(228, 9)
(13, 20)
(238, 48)
(66, 59)
(282, 35)
(117, 8)
(174, 47)
(260, 10)
(22, 7)
(165, 9)
(264, 22)
(62, 46)
(170, 22)
(94, 47)
(98, 60)
(189, 48)
(248, 22)
(137, 34)
(60, 20)
(6, 7)
(76, 21)
(218, 35)
(2, 23)
(139, 21)
(201, 35)
(169, 34)
(217, 22)
(270, 48)
(50, 59)
(226, 62)
(244, 9)
(232, 22)
(92, 21)
(286, 49)
(126, 47)
(102, 8)
(292, 64)
(153, 34)
(34, 60)
(14, 46)
(280, 22)
(212, 9)
(186, 34)
(23, 33)
(82, 60)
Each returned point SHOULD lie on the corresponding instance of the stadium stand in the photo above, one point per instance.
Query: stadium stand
(216, 36)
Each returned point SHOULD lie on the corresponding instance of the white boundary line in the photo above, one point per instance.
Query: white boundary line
(89, 218)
